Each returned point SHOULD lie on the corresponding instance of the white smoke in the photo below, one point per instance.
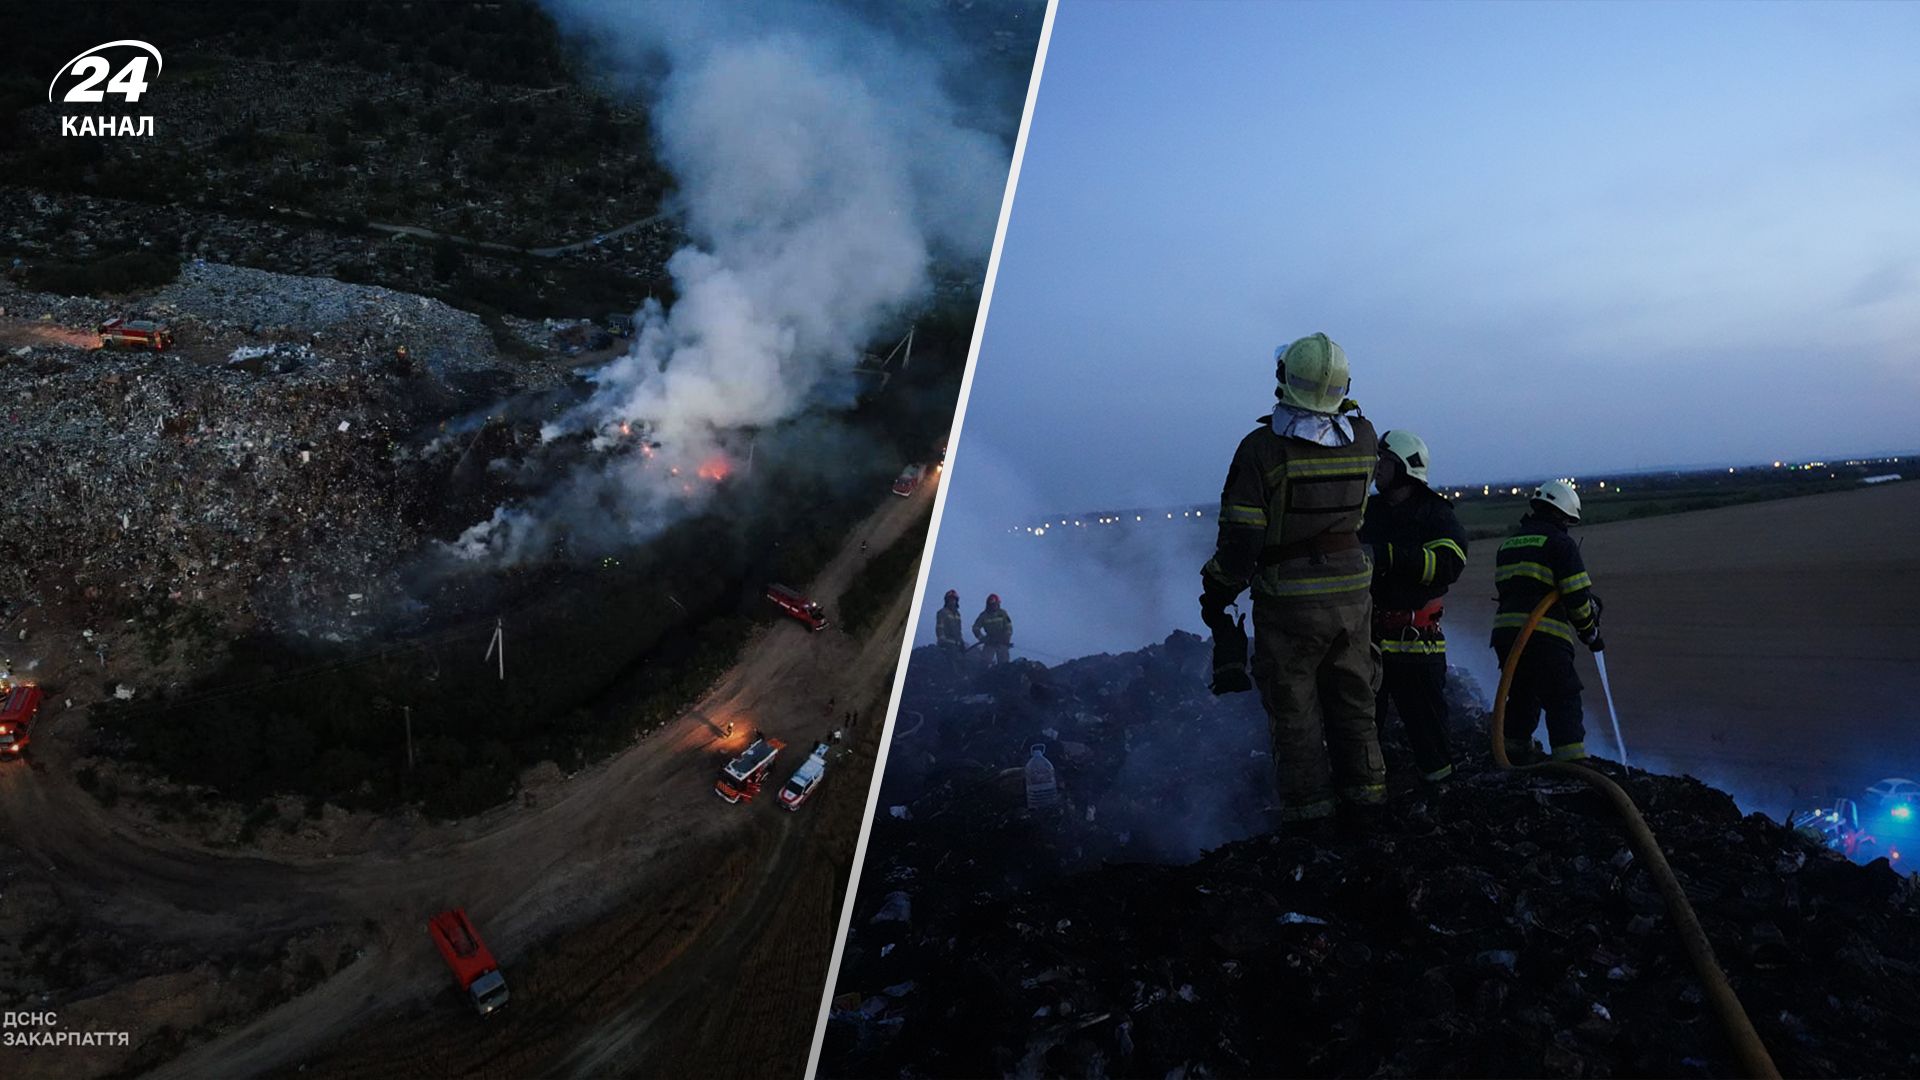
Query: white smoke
(821, 169)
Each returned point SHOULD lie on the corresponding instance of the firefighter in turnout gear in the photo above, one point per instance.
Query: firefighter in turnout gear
(993, 628)
(1290, 517)
(946, 626)
(1540, 556)
(1419, 549)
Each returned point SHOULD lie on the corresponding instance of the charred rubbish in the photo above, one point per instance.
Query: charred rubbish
(1495, 925)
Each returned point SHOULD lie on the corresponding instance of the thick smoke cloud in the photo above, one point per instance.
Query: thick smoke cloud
(821, 171)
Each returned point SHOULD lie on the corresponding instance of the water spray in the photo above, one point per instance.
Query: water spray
(1600, 661)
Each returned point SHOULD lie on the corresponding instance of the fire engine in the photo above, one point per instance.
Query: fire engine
(136, 334)
(18, 704)
(798, 606)
(908, 480)
(1878, 826)
(740, 781)
(467, 956)
(805, 778)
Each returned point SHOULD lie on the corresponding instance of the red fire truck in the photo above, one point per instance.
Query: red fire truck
(18, 704)
(136, 334)
(798, 606)
(472, 965)
(740, 781)
(909, 480)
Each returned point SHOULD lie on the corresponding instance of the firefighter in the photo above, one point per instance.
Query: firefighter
(1538, 557)
(993, 628)
(1290, 517)
(1419, 549)
(946, 626)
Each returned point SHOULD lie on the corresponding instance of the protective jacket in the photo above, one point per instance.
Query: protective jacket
(1290, 515)
(1419, 549)
(946, 627)
(1540, 556)
(994, 626)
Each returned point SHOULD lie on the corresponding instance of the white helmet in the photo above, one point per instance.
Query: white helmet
(1409, 449)
(1560, 495)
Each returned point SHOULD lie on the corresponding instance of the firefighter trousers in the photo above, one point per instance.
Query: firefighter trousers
(1417, 687)
(1544, 682)
(996, 652)
(954, 653)
(1318, 672)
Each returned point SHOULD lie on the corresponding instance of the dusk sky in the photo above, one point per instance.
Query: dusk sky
(1553, 239)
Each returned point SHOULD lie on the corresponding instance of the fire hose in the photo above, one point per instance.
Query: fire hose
(1747, 1047)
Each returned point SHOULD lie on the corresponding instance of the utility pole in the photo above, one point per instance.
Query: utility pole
(498, 644)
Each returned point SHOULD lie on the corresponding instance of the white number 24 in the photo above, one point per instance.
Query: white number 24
(131, 81)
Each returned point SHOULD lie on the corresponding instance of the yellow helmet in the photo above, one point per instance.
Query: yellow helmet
(1313, 374)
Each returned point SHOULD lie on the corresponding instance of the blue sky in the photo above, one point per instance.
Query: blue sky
(1552, 238)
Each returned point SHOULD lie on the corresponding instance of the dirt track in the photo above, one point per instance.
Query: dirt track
(661, 890)
(1771, 649)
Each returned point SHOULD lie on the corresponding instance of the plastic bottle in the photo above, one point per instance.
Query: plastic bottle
(1043, 793)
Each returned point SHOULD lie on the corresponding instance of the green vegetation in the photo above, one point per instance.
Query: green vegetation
(881, 580)
(123, 272)
(1652, 495)
(458, 117)
(604, 657)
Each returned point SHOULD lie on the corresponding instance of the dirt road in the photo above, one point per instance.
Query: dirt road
(1772, 649)
(629, 842)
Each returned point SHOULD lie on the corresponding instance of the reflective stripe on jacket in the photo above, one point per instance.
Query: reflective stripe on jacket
(946, 627)
(1281, 492)
(994, 626)
(1539, 557)
(1419, 549)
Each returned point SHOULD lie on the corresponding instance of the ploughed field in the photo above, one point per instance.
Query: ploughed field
(1772, 649)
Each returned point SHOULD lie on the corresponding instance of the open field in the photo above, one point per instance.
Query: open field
(1642, 495)
(1772, 649)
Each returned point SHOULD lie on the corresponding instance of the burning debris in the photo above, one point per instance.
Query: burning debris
(1497, 926)
(817, 193)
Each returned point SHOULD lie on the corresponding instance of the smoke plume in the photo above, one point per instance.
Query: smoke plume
(821, 171)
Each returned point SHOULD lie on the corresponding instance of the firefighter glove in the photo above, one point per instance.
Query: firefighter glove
(1229, 644)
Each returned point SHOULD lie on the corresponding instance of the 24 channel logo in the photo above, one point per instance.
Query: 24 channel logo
(84, 75)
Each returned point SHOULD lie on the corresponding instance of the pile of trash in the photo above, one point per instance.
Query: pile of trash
(1497, 925)
(271, 497)
(348, 320)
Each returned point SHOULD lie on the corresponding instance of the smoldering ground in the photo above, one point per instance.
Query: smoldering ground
(1766, 671)
(823, 172)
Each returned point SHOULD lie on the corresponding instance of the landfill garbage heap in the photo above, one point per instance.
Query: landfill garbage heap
(1497, 926)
